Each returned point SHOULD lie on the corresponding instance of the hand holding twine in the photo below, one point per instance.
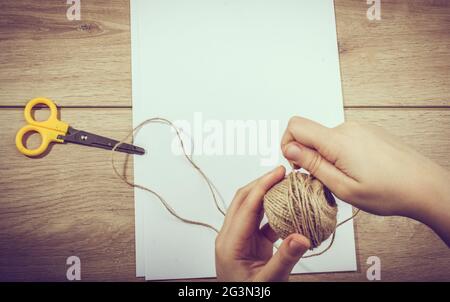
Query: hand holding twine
(298, 204)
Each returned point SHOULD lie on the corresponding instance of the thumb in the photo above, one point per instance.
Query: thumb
(312, 161)
(282, 262)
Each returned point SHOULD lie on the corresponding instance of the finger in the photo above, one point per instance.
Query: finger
(239, 197)
(248, 217)
(308, 133)
(283, 261)
(269, 233)
(337, 181)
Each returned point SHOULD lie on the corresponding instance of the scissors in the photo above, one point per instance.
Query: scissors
(54, 130)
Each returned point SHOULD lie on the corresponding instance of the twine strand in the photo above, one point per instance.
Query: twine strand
(308, 227)
(169, 208)
(296, 197)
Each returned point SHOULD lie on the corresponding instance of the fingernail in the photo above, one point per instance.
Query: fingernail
(296, 247)
(292, 151)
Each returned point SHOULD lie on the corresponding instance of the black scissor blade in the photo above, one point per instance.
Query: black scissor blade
(93, 140)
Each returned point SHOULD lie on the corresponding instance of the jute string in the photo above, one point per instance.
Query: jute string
(305, 213)
(301, 204)
(169, 208)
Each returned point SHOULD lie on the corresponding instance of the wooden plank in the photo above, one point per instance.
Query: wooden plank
(77, 63)
(402, 60)
(427, 131)
(70, 203)
(66, 203)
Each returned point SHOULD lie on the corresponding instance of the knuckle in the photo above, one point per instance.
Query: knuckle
(313, 163)
(259, 183)
(344, 135)
(293, 121)
(240, 192)
(331, 149)
(286, 259)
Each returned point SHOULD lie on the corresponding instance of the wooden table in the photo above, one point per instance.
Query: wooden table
(395, 73)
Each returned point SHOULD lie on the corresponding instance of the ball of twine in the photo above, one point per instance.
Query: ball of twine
(301, 204)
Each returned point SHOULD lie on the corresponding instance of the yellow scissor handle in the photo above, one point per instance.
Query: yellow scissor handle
(49, 129)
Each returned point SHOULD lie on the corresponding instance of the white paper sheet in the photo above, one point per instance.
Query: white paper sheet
(209, 62)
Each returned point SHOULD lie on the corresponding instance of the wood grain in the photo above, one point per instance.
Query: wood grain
(402, 60)
(70, 203)
(78, 63)
(66, 203)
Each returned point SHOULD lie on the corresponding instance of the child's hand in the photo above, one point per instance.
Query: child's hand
(372, 170)
(243, 250)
